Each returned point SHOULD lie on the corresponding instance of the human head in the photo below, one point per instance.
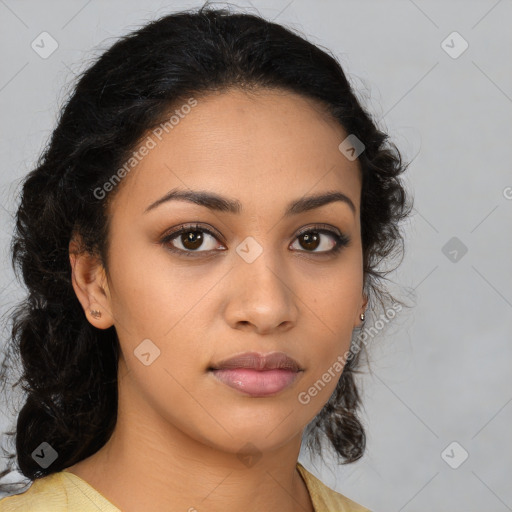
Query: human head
(127, 93)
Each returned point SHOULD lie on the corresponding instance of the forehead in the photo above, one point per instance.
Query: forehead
(262, 147)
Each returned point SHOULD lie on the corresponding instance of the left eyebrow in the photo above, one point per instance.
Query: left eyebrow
(219, 203)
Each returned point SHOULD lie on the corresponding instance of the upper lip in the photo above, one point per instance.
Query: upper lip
(256, 361)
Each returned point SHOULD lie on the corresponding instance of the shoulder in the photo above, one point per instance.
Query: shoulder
(59, 492)
(324, 499)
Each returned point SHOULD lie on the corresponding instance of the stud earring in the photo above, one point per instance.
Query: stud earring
(95, 313)
(362, 316)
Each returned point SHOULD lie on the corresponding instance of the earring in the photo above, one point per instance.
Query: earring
(362, 316)
(95, 313)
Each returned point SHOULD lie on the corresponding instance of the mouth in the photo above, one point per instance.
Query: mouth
(258, 375)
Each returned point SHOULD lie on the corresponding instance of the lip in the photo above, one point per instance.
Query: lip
(257, 361)
(256, 374)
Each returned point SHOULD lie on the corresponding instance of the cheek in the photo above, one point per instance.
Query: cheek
(335, 295)
(141, 295)
(150, 293)
(156, 299)
(327, 358)
(329, 319)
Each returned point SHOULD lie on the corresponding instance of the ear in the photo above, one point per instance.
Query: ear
(90, 284)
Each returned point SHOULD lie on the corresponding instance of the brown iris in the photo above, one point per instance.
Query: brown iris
(194, 238)
(309, 239)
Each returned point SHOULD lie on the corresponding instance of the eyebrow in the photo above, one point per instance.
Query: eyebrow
(218, 203)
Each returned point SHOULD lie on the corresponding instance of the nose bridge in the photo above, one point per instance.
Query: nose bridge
(261, 268)
(264, 295)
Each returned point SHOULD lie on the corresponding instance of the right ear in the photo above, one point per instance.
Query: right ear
(90, 284)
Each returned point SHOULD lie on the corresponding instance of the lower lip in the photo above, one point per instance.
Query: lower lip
(255, 382)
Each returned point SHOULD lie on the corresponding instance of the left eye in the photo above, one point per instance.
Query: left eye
(315, 240)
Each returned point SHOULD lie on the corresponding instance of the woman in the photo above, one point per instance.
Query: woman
(200, 243)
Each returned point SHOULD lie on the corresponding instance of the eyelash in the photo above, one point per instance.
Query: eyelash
(341, 240)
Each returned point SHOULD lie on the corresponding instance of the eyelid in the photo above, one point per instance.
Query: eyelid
(321, 228)
(193, 227)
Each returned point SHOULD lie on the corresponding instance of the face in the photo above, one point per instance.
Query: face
(273, 272)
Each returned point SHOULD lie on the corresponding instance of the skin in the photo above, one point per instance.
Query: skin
(180, 431)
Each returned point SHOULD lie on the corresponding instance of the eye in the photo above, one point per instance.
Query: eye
(316, 240)
(190, 239)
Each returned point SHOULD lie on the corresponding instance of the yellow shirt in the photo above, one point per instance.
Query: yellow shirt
(65, 492)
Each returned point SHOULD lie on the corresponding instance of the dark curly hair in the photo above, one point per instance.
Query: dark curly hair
(69, 367)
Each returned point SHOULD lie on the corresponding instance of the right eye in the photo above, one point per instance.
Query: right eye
(188, 239)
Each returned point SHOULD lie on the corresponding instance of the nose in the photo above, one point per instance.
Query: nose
(261, 297)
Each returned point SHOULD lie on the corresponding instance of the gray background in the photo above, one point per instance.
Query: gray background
(441, 372)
